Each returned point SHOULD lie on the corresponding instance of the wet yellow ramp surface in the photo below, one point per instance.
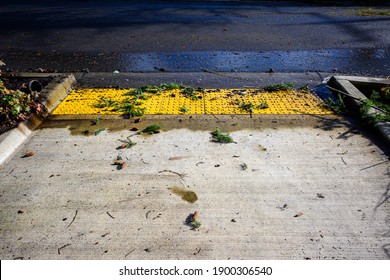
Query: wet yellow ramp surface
(206, 101)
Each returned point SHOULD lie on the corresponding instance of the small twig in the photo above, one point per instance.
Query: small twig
(110, 215)
(373, 165)
(147, 214)
(129, 253)
(343, 161)
(170, 171)
(62, 247)
(73, 219)
(197, 251)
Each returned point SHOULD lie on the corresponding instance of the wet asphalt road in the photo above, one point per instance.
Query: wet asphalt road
(192, 36)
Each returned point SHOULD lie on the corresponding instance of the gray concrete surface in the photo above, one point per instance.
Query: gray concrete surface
(199, 79)
(314, 188)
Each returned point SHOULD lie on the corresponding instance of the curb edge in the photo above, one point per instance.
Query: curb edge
(16, 137)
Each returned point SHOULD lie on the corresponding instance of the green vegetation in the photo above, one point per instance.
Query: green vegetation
(373, 12)
(250, 107)
(195, 224)
(184, 109)
(127, 143)
(151, 129)
(98, 131)
(279, 87)
(380, 101)
(132, 104)
(103, 103)
(16, 106)
(304, 89)
(220, 137)
(337, 106)
(96, 121)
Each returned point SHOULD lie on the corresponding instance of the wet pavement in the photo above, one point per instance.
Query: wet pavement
(366, 62)
(172, 36)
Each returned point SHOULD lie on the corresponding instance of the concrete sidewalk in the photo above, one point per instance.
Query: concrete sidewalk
(290, 187)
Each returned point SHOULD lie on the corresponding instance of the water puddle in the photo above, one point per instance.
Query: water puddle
(185, 194)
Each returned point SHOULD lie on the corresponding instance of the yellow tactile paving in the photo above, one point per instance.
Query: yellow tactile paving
(211, 101)
(172, 102)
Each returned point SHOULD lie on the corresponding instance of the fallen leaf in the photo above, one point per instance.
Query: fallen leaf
(195, 216)
(118, 162)
(262, 148)
(320, 195)
(298, 214)
(28, 154)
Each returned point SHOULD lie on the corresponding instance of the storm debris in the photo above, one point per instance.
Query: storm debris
(193, 220)
(111, 216)
(220, 137)
(170, 171)
(126, 144)
(28, 154)
(244, 166)
(151, 129)
(282, 208)
(74, 217)
(298, 214)
(62, 247)
(320, 195)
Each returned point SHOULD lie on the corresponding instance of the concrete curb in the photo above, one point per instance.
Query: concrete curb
(52, 93)
(353, 86)
(198, 79)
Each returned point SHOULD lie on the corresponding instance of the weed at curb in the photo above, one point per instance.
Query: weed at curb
(279, 87)
(151, 129)
(379, 102)
(98, 131)
(336, 106)
(16, 106)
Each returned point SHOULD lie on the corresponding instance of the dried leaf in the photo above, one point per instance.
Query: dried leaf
(262, 147)
(28, 154)
(298, 214)
(195, 216)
